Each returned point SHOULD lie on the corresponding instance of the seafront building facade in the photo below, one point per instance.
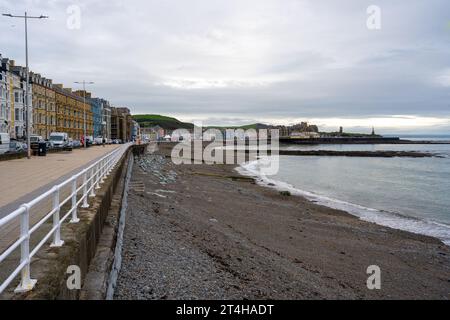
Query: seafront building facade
(102, 118)
(17, 105)
(71, 108)
(126, 124)
(154, 133)
(20, 109)
(44, 105)
(121, 124)
(97, 114)
(5, 111)
(54, 108)
(12, 95)
(135, 130)
(85, 111)
(106, 122)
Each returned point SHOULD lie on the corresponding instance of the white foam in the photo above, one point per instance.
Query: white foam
(383, 218)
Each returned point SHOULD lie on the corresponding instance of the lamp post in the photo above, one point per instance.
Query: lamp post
(103, 132)
(84, 83)
(26, 17)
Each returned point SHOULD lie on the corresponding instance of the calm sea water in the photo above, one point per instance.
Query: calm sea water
(403, 193)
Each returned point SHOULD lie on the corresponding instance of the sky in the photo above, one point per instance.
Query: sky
(232, 62)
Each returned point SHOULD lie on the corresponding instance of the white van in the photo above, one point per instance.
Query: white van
(98, 140)
(59, 139)
(4, 142)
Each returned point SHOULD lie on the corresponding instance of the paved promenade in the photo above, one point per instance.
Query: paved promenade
(22, 180)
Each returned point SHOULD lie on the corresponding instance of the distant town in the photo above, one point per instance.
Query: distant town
(59, 111)
(162, 128)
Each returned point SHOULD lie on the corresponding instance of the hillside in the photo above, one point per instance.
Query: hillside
(168, 123)
(245, 127)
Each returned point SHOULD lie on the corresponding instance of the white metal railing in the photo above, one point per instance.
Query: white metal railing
(84, 184)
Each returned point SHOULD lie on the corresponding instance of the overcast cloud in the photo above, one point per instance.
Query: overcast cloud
(234, 61)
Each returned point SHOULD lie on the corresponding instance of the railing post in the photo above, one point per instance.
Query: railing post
(85, 193)
(97, 184)
(26, 283)
(57, 242)
(74, 202)
(107, 167)
(102, 170)
(92, 177)
(110, 163)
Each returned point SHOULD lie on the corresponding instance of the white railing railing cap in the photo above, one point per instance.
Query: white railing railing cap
(12, 215)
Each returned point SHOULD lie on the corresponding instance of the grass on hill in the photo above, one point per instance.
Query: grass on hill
(245, 127)
(168, 123)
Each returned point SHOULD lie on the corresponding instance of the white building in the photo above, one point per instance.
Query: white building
(5, 112)
(305, 135)
(17, 91)
(19, 85)
(12, 99)
(106, 121)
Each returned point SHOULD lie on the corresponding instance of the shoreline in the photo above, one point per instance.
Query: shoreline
(384, 218)
(215, 236)
(360, 154)
(381, 218)
(367, 140)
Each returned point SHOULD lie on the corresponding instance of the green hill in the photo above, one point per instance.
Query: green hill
(245, 127)
(168, 123)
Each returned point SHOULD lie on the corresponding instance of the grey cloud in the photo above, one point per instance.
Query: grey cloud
(276, 59)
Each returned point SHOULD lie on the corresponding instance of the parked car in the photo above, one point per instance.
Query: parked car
(76, 143)
(59, 140)
(89, 141)
(34, 141)
(98, 140)
(16, 146)
(4, 142)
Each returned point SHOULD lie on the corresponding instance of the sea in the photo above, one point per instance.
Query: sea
(411, 194)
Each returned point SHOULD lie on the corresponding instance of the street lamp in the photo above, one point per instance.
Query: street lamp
(84, 83)
(26, 17)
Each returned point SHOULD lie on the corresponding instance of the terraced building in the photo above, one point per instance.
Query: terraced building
(70, 113)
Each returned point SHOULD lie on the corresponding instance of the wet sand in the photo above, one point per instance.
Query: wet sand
(204, 232)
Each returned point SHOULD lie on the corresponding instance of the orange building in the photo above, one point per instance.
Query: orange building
(70, 113)
(43, 105)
